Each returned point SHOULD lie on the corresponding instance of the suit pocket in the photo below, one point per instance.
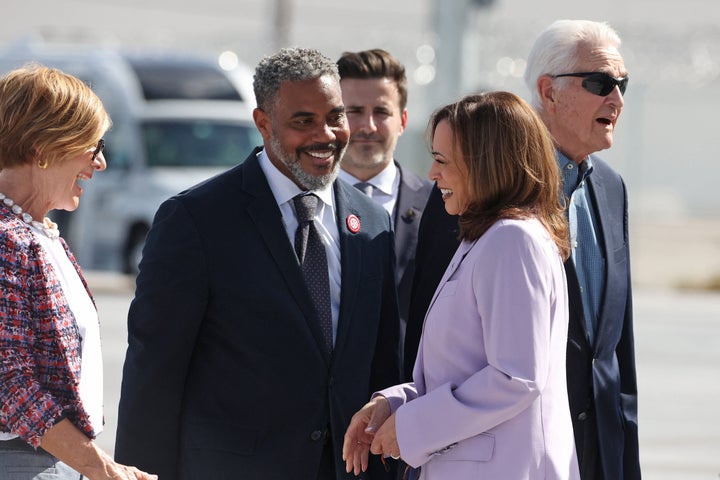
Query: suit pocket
(479, 448)
(219, 437)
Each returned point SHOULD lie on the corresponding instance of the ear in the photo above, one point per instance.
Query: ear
(403, 121)
(546, 91)
(263, 123)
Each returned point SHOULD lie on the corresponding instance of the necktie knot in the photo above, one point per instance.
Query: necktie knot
(305, 207)
(365, 187)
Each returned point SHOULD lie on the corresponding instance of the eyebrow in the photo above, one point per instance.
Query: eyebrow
(303, 114)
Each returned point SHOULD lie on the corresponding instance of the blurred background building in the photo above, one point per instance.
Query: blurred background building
(666, 145)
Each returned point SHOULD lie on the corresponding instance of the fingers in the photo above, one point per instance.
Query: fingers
(385, 440)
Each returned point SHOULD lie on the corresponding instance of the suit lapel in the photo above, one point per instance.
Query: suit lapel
(598, 190)
(455, 263)
(350, 259)
(265, 213)
(408, 208)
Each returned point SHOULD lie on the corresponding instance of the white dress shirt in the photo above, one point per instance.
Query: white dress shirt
(284, 190)
(386, 186)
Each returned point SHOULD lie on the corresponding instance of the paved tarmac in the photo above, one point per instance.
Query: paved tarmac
(678, 360)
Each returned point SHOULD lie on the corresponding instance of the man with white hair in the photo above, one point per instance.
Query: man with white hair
(577, 78)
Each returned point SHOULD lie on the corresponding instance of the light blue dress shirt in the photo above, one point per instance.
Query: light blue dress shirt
(585, 238)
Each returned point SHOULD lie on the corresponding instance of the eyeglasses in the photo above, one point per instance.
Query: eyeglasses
(599, 83)
(100, 147)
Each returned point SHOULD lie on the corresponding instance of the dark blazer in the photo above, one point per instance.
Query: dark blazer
(436, 245)
(412, 198)
(602, 384)
(226, 375)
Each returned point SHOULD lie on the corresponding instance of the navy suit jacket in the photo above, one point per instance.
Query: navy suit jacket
(226, 375)
(601, 378)
(412, 198)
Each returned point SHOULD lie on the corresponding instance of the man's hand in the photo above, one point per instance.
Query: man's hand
(361, 431)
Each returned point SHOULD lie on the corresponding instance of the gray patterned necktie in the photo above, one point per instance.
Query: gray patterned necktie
(313, 262)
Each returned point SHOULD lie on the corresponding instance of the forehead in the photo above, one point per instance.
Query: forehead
(364, 89)
(443, 138)
(601, 58)
(316, 95)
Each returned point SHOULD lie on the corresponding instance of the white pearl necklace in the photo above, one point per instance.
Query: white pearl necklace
(48, 227)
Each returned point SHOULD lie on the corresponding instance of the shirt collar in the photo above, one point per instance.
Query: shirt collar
(572, 173)
(383, 181)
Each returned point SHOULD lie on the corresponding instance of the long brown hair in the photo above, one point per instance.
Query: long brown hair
(512, 168)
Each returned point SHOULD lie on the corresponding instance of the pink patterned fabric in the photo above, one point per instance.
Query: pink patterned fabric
(39, 338)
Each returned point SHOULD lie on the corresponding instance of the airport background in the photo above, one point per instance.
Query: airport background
(666, 148)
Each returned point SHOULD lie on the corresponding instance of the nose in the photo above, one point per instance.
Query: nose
(367, 123)
(615, 97)
(434, 172)
(99, 163)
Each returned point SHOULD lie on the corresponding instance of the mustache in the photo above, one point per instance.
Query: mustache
(365, 136)
(320, 147)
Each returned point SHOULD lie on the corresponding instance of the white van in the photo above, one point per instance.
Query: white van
(176, 121)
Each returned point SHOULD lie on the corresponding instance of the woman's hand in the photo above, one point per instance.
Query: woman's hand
(385, 441)
(360, 433)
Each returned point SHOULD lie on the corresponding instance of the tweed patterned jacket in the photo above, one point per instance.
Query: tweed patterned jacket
(39, 338)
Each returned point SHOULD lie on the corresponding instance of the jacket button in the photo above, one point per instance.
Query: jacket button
(316, 435)
(582, 416)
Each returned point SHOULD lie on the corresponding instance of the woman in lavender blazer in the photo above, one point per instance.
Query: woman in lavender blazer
(489, 396)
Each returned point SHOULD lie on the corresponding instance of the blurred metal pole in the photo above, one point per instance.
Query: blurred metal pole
(451, 20)
(282, 22)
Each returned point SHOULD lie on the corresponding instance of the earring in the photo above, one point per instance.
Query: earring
(42, 164)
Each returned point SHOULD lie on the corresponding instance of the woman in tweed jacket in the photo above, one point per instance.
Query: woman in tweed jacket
(51, 126)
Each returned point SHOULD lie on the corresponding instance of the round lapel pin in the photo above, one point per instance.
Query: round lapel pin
(353, 223)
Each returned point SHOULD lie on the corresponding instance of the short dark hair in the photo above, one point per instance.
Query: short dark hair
(375, 63)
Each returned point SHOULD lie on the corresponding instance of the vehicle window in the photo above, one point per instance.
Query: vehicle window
(198, 143)
(160, 81)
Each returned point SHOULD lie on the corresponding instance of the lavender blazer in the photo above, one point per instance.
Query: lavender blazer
(489, 397)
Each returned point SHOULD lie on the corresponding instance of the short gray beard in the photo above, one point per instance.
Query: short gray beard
(310, 182)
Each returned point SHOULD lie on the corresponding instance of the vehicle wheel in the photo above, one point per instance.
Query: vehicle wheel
(133, 249)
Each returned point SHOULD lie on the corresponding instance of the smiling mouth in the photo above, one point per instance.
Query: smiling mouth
(446, 193)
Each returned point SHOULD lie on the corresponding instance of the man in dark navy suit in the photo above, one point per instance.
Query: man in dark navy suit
(577, 79)
(247, 354)
(374, 89)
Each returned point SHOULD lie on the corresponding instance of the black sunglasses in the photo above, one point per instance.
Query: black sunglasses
(100, 147)
(599, 83)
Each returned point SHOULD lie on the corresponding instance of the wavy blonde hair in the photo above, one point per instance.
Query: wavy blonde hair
(511, 163)
(47, 115)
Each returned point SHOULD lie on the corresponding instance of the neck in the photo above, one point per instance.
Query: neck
(19, 185)
(364, 173)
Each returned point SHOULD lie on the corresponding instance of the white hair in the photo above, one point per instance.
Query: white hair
(556, 50)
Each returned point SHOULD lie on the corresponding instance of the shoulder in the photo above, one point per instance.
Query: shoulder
(14, 235)
(602, 169)
(516, 236)
(223, 190)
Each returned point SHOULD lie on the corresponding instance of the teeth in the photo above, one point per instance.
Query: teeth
(446, 191)
(82, 176)
(322, 155)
